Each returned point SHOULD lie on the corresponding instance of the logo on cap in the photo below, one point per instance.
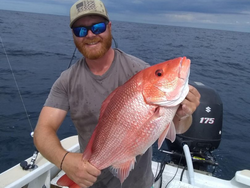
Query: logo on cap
(86, 5)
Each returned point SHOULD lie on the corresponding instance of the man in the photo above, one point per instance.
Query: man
(81, 90)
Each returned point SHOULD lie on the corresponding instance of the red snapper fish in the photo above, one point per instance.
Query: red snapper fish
(135, 115)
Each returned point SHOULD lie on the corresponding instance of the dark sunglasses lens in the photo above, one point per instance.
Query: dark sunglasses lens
(98, 28)
(80, 31)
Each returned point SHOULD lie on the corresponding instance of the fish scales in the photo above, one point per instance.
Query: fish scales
(121, 138)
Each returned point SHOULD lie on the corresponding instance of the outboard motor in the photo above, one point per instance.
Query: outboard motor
(204, 135)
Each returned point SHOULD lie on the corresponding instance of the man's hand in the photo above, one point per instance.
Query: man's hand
(183, 118)
(80, 171)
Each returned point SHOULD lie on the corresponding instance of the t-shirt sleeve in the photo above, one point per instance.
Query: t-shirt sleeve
(58, 97)
(128, 65)
(137, 64)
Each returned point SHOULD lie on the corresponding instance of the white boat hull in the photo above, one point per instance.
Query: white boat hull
(45, 175)
(16, 177)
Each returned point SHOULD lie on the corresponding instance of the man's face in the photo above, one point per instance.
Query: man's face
(93, 46)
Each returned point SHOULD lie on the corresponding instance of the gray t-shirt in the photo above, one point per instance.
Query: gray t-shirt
(81, 92)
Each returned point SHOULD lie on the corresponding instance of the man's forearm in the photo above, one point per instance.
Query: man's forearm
(48, 144)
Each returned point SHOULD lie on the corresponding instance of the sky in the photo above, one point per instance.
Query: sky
(231, 15)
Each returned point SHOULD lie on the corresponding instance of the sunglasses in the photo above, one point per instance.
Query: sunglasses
(95, 28)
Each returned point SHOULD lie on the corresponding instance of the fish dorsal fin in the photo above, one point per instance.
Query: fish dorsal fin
(106, 102)
(88, 150)
(122, 170)
(169, 133)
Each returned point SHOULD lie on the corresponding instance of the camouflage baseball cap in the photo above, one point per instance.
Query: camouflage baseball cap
(87, 7)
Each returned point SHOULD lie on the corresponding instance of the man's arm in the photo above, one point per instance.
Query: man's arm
(183, 116)
(48, 144)
(45, 137)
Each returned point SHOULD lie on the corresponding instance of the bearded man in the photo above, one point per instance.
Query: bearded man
(82, 88)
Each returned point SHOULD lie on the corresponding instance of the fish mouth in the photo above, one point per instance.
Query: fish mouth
(184, 65)
(184, 72)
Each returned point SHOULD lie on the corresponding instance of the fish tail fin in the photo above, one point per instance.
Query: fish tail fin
(66, 181)
(122, 170)
(75, 186)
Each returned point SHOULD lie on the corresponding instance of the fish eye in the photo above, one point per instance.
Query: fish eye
(158, 72)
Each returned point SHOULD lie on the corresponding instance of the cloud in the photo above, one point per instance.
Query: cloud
(221, 14)
(32, 6)
(65, 1)
(212, 13)
(197, 6)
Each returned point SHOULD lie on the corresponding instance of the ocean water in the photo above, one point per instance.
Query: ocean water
(40, 47)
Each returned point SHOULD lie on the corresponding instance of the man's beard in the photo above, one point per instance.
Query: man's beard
(95, 53)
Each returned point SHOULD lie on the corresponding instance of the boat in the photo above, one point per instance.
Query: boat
(46, 174)
(188, 157)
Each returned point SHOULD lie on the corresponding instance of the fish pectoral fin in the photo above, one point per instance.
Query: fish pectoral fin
(169, 133)
(122, 170)
(163, 136)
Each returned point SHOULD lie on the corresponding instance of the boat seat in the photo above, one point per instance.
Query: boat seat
(243, 177)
